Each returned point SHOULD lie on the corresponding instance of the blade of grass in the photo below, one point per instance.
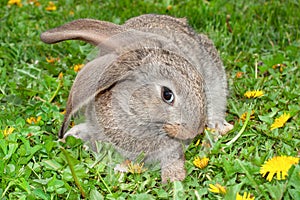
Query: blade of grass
(104, 183)
(57, 90)
(242, 129)
(66, 154)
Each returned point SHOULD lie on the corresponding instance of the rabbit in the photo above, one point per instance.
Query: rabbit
(155, 86)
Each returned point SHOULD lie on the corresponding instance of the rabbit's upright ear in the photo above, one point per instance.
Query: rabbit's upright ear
(88, 30)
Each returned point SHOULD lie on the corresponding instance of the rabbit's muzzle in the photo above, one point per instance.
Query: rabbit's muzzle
(180, 132)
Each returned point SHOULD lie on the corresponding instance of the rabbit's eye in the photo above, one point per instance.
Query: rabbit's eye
(167, 95)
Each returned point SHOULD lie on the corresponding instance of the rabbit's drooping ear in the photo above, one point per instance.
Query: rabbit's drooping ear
(92, 79)
(88, 30)
(97, 76)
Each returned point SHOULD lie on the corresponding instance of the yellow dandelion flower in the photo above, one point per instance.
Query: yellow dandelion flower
(254, 94)
(52, 60)
(35, 2)
(246, 196)
(280, 66)
(280, 121)
(137, 168)
(244, 115)
(169, 7)
(38, 119)
(33, 120)
(219, 189)
(60, 76)
(51, 6)
(239, 74)
(15, 2)
(78, 67)
(72, 124)
(30, 120)
(7, 131)
(71, 13)
(210, 129)
(198, 142)
(278, 165)
(201, 162)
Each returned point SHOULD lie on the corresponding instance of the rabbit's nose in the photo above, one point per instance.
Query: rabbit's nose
(177, 130)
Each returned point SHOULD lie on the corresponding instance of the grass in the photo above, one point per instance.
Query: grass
(251, 38)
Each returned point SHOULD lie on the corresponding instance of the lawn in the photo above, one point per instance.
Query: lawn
(259, 43)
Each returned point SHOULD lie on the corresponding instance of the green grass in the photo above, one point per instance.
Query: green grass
(34, 165)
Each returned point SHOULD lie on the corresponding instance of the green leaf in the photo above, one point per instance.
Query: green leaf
(178, 191)
(294, 182)
(73, 142)
(80, 171)
(230, 168)
(51, 165)
(10, 168)
(12, 147)
(3, 146)
(20, 122)
(40, 194)
(95, 195)
(276, 190)
(161, 194)
(31, 151)
(24, 185)
(142, 196)
(49, 144)
(232, 191)
(54, 184)
(42, 181)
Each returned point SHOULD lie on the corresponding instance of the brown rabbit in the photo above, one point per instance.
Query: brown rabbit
(155, 85)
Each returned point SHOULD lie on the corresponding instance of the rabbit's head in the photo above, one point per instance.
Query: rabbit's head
(161, 94)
